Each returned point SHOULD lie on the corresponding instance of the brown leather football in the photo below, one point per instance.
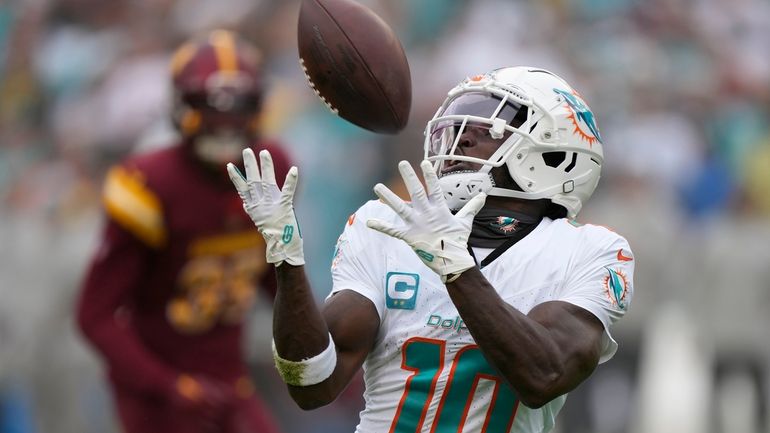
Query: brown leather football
(355, 63)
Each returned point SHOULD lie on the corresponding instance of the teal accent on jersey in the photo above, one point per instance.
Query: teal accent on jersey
(426, 256)
(288, 233)
(455, 323)
(401, 290)
(469, 365)
(618, 289)
(426, 359)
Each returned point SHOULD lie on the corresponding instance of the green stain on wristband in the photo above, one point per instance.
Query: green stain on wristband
(291, 372)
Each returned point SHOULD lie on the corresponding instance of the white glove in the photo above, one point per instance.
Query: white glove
(439, 238)
(270, 208)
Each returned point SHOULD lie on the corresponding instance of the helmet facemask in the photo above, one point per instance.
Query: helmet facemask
(536, 147)
(218, 92)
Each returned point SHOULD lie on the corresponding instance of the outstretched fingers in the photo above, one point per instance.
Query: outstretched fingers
(289, 185)
(431, 182)
(412, 182)
(391, 199)
(237, 178)
(250, 164)
(383, 227)
(266, 164)
(474, 205)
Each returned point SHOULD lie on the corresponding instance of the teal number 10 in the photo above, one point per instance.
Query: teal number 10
(425, 358)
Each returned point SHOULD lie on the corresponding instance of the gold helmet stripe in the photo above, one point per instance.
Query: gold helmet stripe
(224, 48)
(182, 57)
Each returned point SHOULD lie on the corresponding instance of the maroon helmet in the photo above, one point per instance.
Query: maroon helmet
(218, 93)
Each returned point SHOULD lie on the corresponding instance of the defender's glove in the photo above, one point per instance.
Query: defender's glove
(271, 209)
(439, 238)
(200, 397)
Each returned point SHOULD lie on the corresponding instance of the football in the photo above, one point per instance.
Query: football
(355, 63)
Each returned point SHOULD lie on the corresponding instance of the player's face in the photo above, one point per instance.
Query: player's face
(223, 136)
(475, 142)
(462, 129)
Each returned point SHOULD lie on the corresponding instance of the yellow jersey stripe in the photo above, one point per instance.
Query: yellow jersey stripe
(226, 244)
(129, 202)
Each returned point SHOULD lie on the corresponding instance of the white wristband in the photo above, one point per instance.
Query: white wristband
(309, 371)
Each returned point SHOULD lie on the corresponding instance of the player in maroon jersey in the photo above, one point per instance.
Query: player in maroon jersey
(166, 293)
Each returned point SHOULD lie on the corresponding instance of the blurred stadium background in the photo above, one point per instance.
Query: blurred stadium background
(682, 92)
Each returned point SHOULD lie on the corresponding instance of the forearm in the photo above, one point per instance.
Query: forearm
(299, 329)
(113, 276)
(522, 349)
(315, 367)
(129, 361)
(300, 333)
(304, 332)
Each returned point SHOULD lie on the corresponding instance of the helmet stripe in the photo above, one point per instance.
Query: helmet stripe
(182, 57)
(224, 49)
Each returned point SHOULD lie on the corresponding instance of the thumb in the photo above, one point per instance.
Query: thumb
(383, 227)
(473, 206)
(289, 185)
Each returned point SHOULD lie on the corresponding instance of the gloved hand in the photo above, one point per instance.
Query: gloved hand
(439, 238)
(206, 400)
(271, 209)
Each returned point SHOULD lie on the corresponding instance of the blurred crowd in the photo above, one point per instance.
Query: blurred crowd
(681, 89)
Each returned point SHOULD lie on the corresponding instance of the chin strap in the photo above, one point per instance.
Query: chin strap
(458, 188)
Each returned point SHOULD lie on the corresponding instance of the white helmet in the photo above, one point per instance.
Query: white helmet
(553, 147)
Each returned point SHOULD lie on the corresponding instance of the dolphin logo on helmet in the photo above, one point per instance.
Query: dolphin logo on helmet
(549, 138)
(583, 117)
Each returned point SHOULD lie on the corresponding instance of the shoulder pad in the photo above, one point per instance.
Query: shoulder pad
(129, 201)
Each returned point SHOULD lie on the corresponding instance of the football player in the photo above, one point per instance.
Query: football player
(179, 264)
(478, 305)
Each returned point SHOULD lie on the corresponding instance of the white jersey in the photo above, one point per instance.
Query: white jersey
(426, 373)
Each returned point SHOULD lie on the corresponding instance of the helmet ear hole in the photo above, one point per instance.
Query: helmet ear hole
(554, 159)
(572, 163)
